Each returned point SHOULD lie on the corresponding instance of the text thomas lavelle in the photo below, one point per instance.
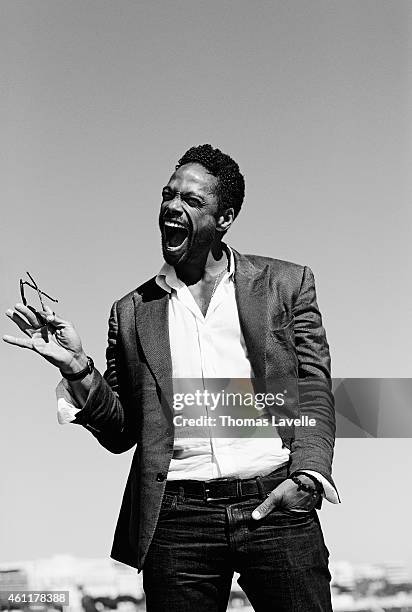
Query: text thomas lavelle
(225, 420)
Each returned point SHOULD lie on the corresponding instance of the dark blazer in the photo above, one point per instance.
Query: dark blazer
(132, 403)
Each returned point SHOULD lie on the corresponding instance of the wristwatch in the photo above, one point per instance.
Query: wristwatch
(82, 374)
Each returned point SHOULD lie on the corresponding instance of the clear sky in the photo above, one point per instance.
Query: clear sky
(99, 100)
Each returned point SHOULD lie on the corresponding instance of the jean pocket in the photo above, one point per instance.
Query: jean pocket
(289, 517)
(295, 511)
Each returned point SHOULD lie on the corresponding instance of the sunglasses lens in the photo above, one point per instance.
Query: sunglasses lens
(23, 298)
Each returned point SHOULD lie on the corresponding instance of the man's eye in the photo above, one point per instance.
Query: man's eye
(193, 202)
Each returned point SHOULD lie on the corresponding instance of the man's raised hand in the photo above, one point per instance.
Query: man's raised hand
(55, 339)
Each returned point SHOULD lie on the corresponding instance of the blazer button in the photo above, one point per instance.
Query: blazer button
(160, 477)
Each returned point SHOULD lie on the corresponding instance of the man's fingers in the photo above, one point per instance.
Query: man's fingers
(24, 326)
(55, 321)
(265, 507)
(29, 314)
(22, 342)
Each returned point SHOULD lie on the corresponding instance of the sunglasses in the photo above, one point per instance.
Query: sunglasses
(33, 285)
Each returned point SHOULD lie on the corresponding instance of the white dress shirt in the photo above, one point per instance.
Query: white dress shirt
(210, 346)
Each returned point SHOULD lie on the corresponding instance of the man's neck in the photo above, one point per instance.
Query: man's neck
(206, 268)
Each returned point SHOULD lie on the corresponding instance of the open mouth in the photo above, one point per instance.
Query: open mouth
(175, 234)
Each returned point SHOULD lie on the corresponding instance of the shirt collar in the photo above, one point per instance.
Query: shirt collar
(167, 279)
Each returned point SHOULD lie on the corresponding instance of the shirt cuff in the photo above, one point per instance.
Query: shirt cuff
(67, 407)
(329, 492)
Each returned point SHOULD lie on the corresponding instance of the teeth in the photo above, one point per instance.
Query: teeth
(172, 224)
(170, 248)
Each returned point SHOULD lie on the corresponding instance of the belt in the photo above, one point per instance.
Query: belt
(221, 489)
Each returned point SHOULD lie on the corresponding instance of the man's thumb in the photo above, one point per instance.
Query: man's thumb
(55, 321)
(272, 500)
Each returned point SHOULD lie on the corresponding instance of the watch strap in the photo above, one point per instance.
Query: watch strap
(82, 374)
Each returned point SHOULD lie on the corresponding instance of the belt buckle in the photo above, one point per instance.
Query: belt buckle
(223, 497)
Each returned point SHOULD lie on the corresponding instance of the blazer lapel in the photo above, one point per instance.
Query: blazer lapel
(152, 327)
(251, 288)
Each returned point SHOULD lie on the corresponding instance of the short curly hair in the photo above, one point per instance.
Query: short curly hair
(231, 183)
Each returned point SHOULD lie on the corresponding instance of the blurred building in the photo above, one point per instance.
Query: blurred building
(99, 577)
(98, 585)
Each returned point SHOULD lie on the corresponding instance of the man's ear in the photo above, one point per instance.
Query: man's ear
(225, 220)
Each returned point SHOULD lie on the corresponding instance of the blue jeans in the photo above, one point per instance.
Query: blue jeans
(282, 559)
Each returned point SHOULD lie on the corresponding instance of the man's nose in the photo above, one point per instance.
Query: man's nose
(175, 204)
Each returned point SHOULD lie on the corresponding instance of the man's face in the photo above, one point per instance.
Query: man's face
(188, 214)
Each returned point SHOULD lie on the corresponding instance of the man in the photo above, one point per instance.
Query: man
(195, 509)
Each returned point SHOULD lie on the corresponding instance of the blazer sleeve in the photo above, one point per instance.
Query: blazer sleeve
(104, 412)
(312, 447)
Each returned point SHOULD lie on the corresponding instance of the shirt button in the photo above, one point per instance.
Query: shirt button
(160, 477)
